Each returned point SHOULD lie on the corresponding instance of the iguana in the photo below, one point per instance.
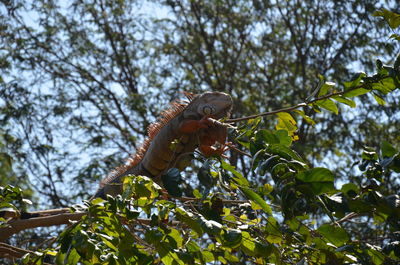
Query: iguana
(181, 129)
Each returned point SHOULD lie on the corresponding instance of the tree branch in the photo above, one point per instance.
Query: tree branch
(15, 226)
(11, 252)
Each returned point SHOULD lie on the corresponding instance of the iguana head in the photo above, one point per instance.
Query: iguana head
(213, 104)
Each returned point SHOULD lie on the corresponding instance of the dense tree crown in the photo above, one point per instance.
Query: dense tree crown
(313, 177)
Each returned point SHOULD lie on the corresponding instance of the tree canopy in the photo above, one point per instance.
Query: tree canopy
(313, 177)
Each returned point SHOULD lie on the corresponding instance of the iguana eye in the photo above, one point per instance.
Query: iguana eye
(207, 110)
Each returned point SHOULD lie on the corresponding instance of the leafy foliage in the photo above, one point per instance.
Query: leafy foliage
(244, 221)
(238, 224)
(82, 80)
(274, 206)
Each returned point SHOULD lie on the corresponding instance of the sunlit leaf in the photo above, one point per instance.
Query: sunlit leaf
(344, 100)
(287, 122)
(395, 36)
(273, 230)
(356, 92)
(284, 152)
(336, 235)
(238, 177)
(189, 219)
(379, 99)
(251, 195)
(307, 118)
(391, 18)
(328, 104)
(284, 137)
(355, 82)
(317, 174)
(325, 88)
(320, 179)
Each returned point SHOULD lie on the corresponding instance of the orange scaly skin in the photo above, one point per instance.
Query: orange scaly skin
(170, 142)
(211, 137)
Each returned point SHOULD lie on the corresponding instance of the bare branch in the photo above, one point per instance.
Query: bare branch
(11, 252)
(15, 226)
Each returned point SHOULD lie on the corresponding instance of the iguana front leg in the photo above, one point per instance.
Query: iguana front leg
(211, 140)
(192, 126)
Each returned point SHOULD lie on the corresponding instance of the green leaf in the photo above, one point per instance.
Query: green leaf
(356, 92)
(176, 236)
(248, 244)
(325, 88)
(189, 219)
(267, 164)
(273, 231)
(344, 100)
(73, 256)
(273, 137)
(204, 175)
(232, 238)
(287, 122)
(350, 189)
(141, 186)
(384, 86)
(376, 256)
(355, 82)
(197, 194)
(359, 206)
(387, 149)
(284, 152)
(284, 137)
(251, 195)
(167, 255)
(207, 256)
(395, 36)
(231, 258)
(317, 174)
(264, 250)
(7, 207)
(238, 177)
(266, 136)
(171, 181)
(328, 104)
(320, 180)
(192, 246)
(393, 19)
(378, 99)
(307, 118)
(210, 226)
(335, 235)
(369, 154)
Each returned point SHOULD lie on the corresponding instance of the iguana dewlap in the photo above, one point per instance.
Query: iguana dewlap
(172, 140)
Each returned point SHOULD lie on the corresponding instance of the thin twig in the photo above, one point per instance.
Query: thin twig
(325, 208)
(267, 113)
(304, 104)
(232, 147)
(348, 217)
